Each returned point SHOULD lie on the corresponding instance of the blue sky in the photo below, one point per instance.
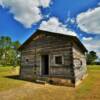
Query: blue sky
(79, 17)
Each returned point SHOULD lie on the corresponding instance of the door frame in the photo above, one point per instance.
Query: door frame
(41, 65)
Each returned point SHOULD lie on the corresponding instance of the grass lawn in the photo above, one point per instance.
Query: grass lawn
(8, 83)
(14, 89)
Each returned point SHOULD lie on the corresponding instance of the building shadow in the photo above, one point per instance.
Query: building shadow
(17, 77)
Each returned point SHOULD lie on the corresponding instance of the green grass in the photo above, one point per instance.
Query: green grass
(94, 67)
(8, 83)
(23, 90)
(90, 82)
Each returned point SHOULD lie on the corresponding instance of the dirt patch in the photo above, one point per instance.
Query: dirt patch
(31, 91)
(28, 88)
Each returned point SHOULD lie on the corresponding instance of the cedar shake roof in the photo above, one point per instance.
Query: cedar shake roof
(74, 38)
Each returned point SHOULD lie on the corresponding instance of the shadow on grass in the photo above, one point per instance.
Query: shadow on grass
(17, 77)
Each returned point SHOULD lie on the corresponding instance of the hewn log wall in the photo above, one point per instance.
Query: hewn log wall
(79, 63)
(51, 45)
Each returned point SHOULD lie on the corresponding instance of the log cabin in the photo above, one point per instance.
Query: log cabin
(54, 57)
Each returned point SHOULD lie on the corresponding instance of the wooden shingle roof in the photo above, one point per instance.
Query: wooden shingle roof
(74, 38)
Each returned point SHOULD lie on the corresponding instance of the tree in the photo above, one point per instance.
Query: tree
(8, 51)
(5, 43)
(16, 53)
(91, 57)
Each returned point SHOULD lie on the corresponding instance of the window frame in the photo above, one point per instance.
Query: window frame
(27, 60)
(55, 60)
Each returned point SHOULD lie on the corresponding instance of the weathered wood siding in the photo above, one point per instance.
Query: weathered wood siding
(51, 45)
(79, 63)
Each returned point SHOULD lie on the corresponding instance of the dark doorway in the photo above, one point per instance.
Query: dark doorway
(45, 64)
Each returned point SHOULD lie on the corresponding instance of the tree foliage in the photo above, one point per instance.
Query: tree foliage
(8, 51)
(91, 57)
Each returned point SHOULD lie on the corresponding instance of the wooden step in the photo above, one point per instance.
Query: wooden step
(41, 81)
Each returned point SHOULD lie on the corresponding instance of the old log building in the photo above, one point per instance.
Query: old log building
(54, 56)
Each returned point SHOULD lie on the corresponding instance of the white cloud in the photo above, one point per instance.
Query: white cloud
(26, 12)
(45, 3)
(87, 39)
(89, 21)
(0, 2)
(54, 25)
(92, 44)
(72, 20)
